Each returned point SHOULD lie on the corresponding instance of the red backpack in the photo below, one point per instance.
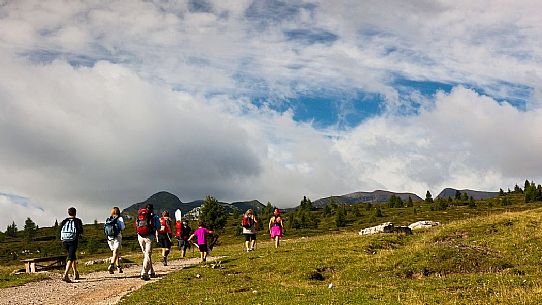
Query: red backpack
(247, 222)
(144, 223)
(164, 226)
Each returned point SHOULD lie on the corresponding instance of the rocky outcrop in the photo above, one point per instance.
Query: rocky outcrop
(423, 224)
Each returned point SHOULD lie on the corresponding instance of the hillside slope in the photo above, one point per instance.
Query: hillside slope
(484, 260)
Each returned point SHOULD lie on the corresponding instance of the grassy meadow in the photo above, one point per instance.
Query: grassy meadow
(491, 259)
(486, 254)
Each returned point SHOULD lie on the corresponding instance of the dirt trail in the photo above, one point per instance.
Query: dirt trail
(93, 288)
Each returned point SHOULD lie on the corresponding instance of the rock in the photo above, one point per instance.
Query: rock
(386, 227)
(423, 224)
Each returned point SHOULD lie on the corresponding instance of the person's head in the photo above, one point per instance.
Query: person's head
(115, 211)
(249, 212)
(201, 224)
(276, 212)
(185, 223)
(150, 207)
(165, 213)
(72, 211)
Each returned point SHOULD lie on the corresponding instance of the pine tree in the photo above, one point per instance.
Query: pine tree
(410, 203)
(472, 204)
(11, 230)
(457, 195)
(378, 212)
(428, 197)
(306, 204)
(30, 229)
(340, 217)
(326, 211)
(212, 214)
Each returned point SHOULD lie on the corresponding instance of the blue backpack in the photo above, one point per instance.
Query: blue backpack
(111, 227)
(68, 231)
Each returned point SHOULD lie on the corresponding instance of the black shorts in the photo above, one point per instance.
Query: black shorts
(71, 247)
(250, 237)
(164, 240)
(202, 248)
(184, 244)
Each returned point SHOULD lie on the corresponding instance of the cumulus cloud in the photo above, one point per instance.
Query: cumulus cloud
(465, 141)
(101, 105)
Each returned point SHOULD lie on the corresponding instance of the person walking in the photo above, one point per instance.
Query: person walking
(275, 227)
(163, 235)
(146, 224)
(200, 234)
(113, 227)
(249, 224)
(183, 232)
(70, 232)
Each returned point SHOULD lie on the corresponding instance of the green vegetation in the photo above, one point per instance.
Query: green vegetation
(487, 252)
(492, 259)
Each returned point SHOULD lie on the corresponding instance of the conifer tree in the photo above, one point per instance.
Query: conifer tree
(30, 229)
(212, 214)
(340, 217)
(428, 197)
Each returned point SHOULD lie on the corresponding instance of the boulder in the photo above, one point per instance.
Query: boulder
(423, 224)
(386, 227)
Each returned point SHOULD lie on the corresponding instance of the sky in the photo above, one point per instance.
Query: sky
(104, 103)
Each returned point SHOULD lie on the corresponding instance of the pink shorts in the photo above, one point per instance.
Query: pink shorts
(275, 231)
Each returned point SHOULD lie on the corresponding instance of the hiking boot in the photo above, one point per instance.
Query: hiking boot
(66, 279)
(119, 269)
(111, 268)
(145, 277)
(165, 261)
(153, 275)
(76, 276)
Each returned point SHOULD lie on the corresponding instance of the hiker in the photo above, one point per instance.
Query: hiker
(183, 233)
(249, 224)
(113, 227)
(72, 230)
(163, 235)
(275, 227)
(146, 224)
(200, 234)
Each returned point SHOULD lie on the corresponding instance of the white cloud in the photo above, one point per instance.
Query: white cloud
(157, 96)
(465, 141)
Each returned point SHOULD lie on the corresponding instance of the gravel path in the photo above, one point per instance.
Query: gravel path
(92, 288)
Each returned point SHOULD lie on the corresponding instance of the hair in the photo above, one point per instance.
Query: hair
(201, 224)
(72, 211)
(165, 213)
(149, 207)
(249, 211)
(115, 211)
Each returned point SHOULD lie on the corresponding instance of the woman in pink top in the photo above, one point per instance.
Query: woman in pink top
(200, 233)
(275, 227)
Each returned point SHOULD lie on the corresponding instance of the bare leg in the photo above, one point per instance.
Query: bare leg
(277, 238)
(66, 278)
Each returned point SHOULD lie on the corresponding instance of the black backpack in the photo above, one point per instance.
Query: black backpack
(111, 227)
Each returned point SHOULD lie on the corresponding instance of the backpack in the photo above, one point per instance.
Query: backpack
(164, 226)
(111, 227)
(144, 222)
(68, 231)
(247, 222)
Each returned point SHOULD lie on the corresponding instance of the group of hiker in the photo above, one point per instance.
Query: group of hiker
(152, 227)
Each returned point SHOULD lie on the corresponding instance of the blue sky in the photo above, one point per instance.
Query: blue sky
(106, 103)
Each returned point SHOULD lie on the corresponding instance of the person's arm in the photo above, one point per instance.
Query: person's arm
(80, 227)
(191, 236)
(121, 223)
(270, 222)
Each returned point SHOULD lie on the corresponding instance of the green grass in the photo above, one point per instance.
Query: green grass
(493, 259)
